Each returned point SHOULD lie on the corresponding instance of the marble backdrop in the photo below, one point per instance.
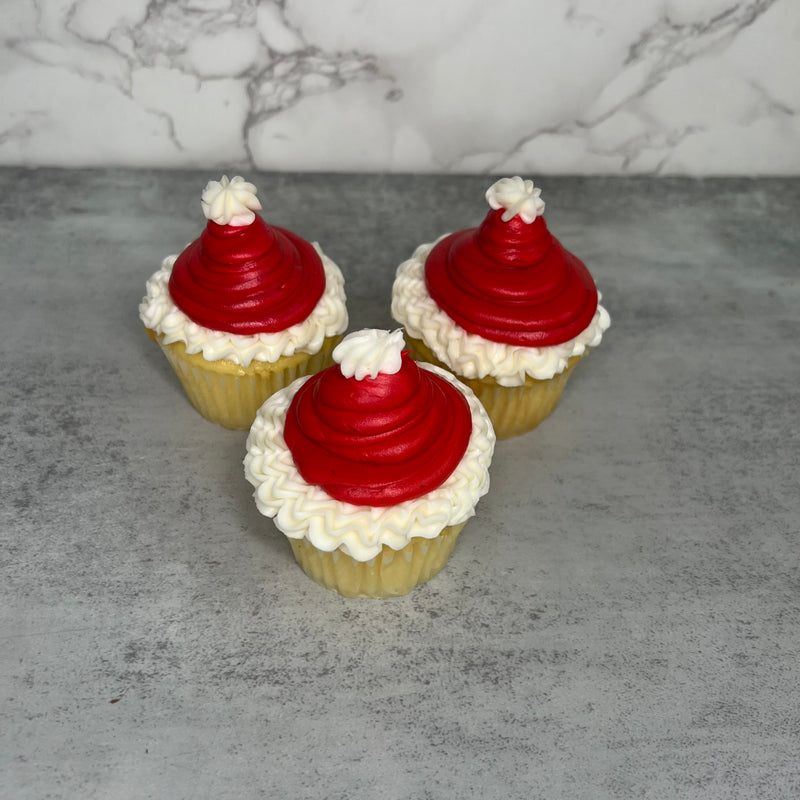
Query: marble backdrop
(511, 86)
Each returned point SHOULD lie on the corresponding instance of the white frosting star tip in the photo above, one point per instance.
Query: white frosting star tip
(369, 353)
(517, 197)
(230, 201)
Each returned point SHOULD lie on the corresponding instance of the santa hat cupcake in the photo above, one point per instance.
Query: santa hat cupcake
(244, 309)
(504, 306)
(371, 467)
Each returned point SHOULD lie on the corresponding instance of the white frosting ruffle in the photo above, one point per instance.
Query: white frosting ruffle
(303, 510)
(471, 355)
(328, 318)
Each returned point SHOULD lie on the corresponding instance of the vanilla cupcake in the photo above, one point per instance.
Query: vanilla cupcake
(372, 467)
(245, 309)
(504, 306)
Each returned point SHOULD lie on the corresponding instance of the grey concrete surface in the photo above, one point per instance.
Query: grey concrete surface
(619, 621)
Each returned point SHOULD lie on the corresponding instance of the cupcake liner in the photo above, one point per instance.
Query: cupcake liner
(390, 574)
(514, 410)
(230, 395)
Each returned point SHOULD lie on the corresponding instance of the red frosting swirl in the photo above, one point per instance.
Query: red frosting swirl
(511, 282)
(247, 279)
(378, 441)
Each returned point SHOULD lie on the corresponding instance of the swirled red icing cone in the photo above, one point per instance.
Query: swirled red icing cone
(378, 439)
(510, 280)
(245, 277)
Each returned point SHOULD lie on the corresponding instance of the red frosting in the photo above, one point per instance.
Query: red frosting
(249, 279)
(511, 282)
(378, 441)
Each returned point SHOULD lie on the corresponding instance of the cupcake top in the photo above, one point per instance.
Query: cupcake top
(372, 451)
(504, 299)
(244, 289)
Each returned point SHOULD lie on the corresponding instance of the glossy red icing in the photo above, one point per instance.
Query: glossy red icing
(250, 279)
(511, 282)
(378, 441)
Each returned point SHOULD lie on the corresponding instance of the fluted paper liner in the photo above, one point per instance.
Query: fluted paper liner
(230, 395)
(514, 410)
(389, 574)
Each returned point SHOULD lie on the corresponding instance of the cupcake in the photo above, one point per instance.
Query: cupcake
(504, 306)
(244, 309)
(372, 467)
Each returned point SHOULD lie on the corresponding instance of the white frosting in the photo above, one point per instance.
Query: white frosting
(230, 202)
(471, 355)
(303, 510)
(328, 318)
(370, 352)
(516, 196)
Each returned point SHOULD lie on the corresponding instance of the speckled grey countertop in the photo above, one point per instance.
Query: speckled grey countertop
(620, 620)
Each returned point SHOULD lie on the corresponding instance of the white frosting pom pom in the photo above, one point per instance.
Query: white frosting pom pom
(369, 353)
(230, 202)
(517, 197)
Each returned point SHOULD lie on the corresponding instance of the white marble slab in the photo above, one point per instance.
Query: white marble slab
(579, 86)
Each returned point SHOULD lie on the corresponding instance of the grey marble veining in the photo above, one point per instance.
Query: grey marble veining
(619, 621)
(631, 87)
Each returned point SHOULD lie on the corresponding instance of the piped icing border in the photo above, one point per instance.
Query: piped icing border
(471, 355)
(329, 317)
(303, 510)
